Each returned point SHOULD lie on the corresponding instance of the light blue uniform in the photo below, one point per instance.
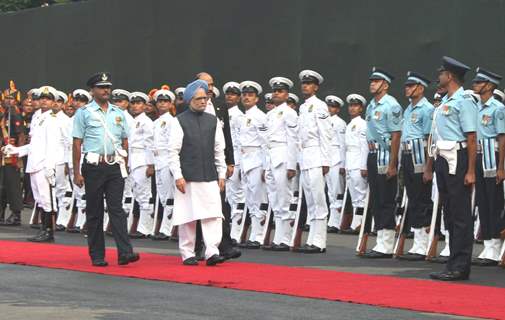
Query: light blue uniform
(382, 118)
(491, 119)
(89, 128)
(456, 116)
(417, 120)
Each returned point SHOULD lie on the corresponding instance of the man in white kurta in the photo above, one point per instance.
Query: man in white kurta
(197, 163)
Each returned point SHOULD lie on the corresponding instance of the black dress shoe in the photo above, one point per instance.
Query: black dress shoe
(439, 259)
(280, 247)
(412, 257)
(215, 259)
(99, 263)
(234, 242)
(159, 237)
(376, 255)
(128, 258)
(233, 253)
(137, 235)
(314, 249)
(302, 248)
(268, 247)
(59, 227)
(332, 230)
(484, 262)
(250, 245)
(350, 231)
(73, 230)
(190, 262)
(43, 236)
(449, 275)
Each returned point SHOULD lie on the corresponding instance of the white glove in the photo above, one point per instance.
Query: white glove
(50, 174)
(10, 150)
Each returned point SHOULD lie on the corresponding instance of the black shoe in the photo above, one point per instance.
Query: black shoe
(268, 247)
(215, 259)
(73, 230)
(59, 227)
(190, 262)
(280, 247)
(159, 237)
(332, 230)
(250, 245)
(137, 235)
(376, 255)
(484, 262)
(439, 259)
(99, 263)
(314, 249)
(350, 231)
(234, 243)
(449, 275)
(233, 253)
(128, 258)
(412, 257)
(44, 236)
(302, 248)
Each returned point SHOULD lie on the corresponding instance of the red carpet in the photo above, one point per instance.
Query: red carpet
(385, 291)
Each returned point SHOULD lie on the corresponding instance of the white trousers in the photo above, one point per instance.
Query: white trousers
(165, 186)
(63, 193)
(280, 191)
(335, 183)
(357, 186)
(211, 232)
(256, 192)
(41, 191)
(235, 192)
(141, 189)
(313, 187)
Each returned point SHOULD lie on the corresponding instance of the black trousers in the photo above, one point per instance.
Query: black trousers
(11, 187)
(105, 180)
(226, 243)
(456, 200)
(382, 195)
(420, 205)
(489, 199)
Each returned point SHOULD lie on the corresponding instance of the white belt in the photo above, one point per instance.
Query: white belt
(159, 153)
(275, 144)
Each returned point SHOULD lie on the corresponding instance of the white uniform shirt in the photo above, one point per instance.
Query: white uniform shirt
(314, 129)
(251, 140)
(282, 136)
(236, 117)
(161, 140)
(141, 142)
(356, 144)
(63, 138)
(42, 150)
(210, 108)
(338, 127)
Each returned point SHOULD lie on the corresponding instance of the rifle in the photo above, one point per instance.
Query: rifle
(400, 242)
(431, 251)
(296, 237)
(363, 236)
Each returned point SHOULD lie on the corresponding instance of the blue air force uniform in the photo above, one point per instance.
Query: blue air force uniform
(454, 120)
(489, 194)
(416, 128)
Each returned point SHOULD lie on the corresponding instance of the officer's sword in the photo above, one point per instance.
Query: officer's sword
(342, 208)
(297, 232)
(156, 209)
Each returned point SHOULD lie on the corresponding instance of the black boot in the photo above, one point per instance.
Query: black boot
(47, 232)
(13, 220)
(2, 216)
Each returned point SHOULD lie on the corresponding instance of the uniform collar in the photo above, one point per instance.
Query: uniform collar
(165, 115)
(140, 116)
(456, 94)
(312, 99)
(488, 103)
(94, 106)
(420, 103)
(252, 109)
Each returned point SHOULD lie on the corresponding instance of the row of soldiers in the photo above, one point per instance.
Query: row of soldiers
(290, 157)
